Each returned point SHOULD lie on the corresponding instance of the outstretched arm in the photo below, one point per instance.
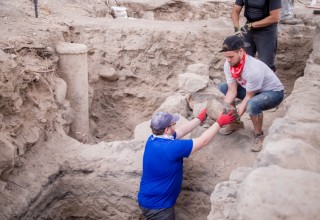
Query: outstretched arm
(210, 133)
(188, 127)
(232, 92)
(235, 14)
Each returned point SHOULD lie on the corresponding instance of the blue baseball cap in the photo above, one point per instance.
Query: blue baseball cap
(161, 120)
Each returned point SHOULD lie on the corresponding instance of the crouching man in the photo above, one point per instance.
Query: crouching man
(252, 81)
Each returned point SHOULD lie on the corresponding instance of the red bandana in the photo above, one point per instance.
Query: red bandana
(237, 70)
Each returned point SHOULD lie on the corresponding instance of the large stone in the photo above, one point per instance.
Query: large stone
(4, 58)
(306, 111)
(200, 69)
(312, 71)
(291, 154)
(198, 108)
(240, 174)
(209, 93)
(284, 128)
(223, 200)
(175, 104)
(192, 82)
(109, 74)
(60, 90)
(214, 109)
(276, 193)
(28, 136)
(7, 153)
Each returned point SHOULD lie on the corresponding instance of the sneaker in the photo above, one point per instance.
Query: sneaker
(228, 129)
(257, 142)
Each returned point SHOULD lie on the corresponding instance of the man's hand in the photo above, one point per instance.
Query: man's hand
(228, 106)
(226, 118)
(237, 31)
(247, 27)
(203, 115)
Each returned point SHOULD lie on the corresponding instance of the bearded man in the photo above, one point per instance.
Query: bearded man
(252, 81)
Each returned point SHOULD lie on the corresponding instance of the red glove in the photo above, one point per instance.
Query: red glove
(226, 118)
(203, 115)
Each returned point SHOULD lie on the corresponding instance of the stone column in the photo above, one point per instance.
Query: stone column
(316, 46)
(73, 67)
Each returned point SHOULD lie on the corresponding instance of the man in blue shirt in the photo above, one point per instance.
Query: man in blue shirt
(162, 173)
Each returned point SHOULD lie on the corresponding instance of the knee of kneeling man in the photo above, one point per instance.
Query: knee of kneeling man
(250, 106)
(223, 87)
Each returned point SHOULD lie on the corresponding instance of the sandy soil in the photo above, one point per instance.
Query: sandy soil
(147, 51)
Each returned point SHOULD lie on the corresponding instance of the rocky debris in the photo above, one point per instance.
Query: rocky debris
(177, 10)
(118, 12)
(224, 196)
(214, 108)
(55, 177)
(60, 181)
(175, 104)
(7, 153)
(60, 90)
(276, 193)
(192, 82)
(109, 74)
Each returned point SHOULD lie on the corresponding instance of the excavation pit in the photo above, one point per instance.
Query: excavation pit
(133, 66)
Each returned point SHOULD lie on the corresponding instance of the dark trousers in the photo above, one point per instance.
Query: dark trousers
(263, 41)
(158, 214)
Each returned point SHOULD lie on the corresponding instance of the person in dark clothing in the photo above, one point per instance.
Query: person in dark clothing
(261, 28)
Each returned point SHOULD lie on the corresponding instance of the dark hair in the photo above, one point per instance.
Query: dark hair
(157, 132)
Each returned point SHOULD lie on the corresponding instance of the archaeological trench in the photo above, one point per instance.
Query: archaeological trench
(77, 92)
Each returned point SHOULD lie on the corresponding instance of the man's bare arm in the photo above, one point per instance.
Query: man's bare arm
(235, 14)
(271, 19)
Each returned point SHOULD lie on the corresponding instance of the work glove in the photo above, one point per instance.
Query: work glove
(237, 31)
(227, 107)
(226, 118)
(247, 27)
(202, 115)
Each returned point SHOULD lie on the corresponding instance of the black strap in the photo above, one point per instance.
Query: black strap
(266, 10)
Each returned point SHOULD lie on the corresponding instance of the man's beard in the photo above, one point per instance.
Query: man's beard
(236, 63)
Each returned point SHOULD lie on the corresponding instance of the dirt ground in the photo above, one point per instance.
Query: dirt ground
(132, 49)
(147, 51)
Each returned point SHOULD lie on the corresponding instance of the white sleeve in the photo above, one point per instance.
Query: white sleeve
(228, 73)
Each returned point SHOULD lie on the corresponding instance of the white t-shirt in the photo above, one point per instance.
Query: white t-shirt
(256, 76)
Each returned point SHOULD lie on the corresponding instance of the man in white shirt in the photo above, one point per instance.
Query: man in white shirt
(252, 81)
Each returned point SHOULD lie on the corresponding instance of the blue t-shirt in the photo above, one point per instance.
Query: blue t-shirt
(162, 172)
